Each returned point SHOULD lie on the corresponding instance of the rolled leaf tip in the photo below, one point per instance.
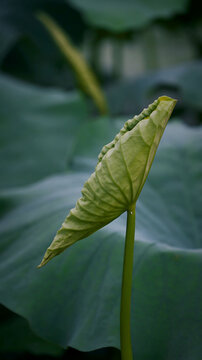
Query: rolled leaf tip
(122, 169)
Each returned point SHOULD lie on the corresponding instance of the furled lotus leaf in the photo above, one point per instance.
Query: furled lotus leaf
(123, 166)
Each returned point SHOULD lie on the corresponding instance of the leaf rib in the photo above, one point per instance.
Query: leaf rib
(100, 199)
(87, 211)
(126, 166)
(82, 220)
(146, 163)
(111, 177)
(114, 197)
(101, 208)
(142, 137)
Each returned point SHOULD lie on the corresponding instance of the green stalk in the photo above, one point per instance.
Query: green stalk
(125, 335)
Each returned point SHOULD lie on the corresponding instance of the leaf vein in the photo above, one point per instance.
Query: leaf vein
(87, 211)
(114, 182)
(114, 197)
(100, 199)
(129, 176)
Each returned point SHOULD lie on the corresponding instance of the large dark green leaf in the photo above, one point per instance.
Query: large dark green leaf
(38, 129)
(17, 337)
(75, 300)
(118, 16)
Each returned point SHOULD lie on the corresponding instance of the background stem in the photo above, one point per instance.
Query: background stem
(125, 335)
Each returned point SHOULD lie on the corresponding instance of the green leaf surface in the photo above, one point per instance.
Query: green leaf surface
(75, 300)
(119, 16)
(122, 169)
(38, 129)
(17, 337)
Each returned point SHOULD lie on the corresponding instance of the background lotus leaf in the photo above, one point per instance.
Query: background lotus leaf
(117, 16)
(17, 337)
(38, 129)
(183, 82)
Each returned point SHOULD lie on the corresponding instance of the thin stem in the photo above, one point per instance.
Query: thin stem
(125, 335)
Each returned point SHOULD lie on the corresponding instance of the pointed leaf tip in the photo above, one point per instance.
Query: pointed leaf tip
(122, 169)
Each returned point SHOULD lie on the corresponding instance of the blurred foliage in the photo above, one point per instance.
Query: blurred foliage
(27, 51)
(85, 76)
(50, 136)
(120, 16)
(182, 82)
(38, 131)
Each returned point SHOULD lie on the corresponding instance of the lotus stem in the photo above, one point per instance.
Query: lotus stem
(125, 334)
